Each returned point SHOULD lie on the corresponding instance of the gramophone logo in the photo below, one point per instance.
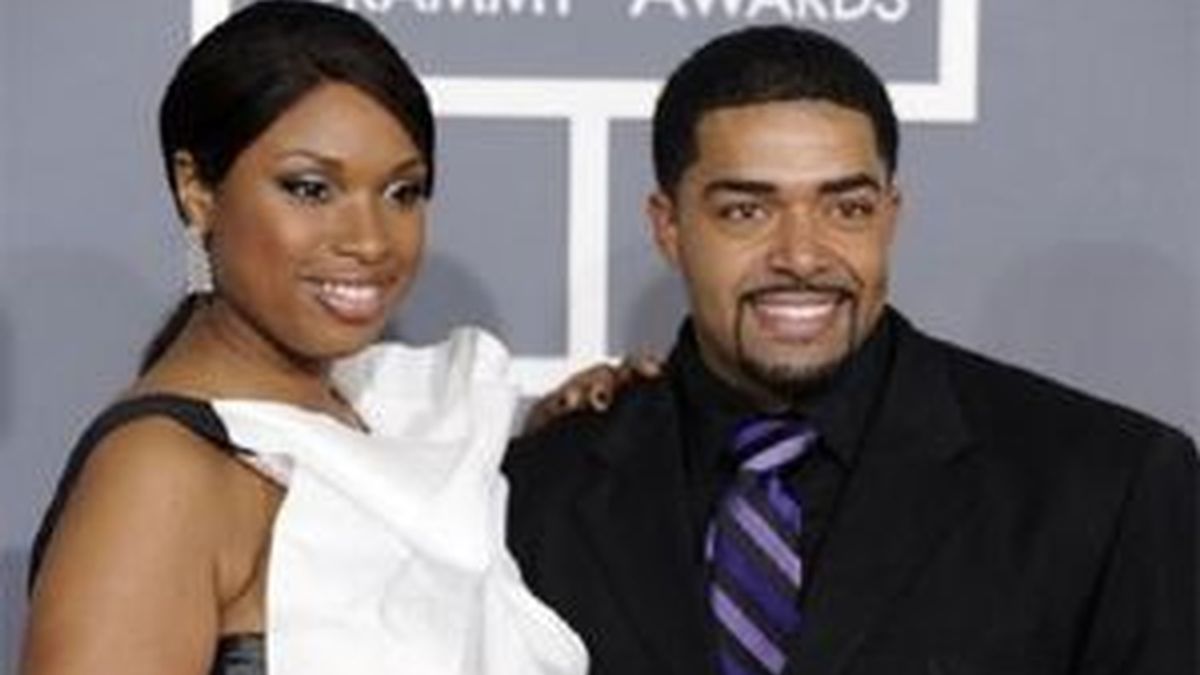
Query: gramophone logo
(590, 102)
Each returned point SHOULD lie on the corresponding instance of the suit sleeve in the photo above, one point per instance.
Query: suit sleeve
(1144, 609)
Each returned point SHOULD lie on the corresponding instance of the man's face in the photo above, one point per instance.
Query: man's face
(781, 229)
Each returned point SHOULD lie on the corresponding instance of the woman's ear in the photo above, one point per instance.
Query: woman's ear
(194, 196)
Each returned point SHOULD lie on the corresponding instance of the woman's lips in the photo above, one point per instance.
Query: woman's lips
(351, 301)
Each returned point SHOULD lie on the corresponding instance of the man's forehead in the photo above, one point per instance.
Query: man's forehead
(790, 134)
(778, 172)
(800, 110)
(791, 125)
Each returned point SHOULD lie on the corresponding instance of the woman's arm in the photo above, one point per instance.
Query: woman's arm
(129, 580)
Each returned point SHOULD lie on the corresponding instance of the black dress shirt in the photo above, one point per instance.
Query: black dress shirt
(841, 411)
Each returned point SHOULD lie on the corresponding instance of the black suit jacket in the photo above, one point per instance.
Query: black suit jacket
(996, 523)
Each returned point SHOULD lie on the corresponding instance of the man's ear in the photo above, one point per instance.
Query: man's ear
(664, 225)
(195, 197)
(895, 204)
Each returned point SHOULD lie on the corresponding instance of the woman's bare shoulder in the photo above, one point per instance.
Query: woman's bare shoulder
(131, 561)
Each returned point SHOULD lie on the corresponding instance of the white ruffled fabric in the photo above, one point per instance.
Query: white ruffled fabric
(388, 550)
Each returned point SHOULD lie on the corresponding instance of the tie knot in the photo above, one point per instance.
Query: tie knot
(763, 444)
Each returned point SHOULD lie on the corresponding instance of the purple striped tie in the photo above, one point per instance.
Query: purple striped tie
(753, 553)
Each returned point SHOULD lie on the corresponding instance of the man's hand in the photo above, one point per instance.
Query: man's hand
(592, 388)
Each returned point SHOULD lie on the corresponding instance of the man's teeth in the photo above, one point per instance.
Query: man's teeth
(793, 312)
(797, 306)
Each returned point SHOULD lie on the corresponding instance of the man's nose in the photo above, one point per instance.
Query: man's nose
(797, 241)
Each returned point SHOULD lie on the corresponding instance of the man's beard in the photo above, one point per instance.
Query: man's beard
(793, 384)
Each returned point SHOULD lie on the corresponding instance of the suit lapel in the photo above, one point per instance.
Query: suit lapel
(637, 520)
(906, 494)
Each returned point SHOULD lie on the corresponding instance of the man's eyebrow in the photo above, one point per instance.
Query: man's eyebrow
(754, 187)
(835, 186)
(849, 184)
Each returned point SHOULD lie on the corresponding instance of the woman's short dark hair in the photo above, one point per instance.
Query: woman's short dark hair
(250, 69)
(765, 64)
(256, 65)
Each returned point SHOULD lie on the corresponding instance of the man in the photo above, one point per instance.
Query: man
(816, 487)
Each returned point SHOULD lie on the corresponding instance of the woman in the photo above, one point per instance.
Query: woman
(268, 474)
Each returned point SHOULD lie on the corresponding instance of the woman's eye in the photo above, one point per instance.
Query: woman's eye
(306, 189)
(406, 194)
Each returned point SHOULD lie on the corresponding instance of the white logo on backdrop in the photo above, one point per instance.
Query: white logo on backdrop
(591, 105)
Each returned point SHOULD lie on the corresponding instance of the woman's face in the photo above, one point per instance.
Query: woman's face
(317, 229)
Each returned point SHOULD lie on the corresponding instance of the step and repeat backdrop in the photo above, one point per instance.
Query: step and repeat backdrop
(1049, 161)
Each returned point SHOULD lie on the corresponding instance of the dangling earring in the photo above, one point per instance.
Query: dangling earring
(199, 267)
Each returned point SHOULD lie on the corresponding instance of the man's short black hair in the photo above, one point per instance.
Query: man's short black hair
(765, 64)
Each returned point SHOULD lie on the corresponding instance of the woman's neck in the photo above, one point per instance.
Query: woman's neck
(219, 354)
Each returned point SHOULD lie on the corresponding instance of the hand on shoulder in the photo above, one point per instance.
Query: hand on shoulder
(593, 388)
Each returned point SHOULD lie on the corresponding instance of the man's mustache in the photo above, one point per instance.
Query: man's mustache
(841, 290)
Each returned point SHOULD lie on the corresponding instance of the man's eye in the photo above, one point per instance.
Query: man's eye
(309, 190)
(854, 210)
(741, 211)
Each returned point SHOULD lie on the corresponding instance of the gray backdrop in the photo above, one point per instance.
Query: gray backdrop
(1056, 230)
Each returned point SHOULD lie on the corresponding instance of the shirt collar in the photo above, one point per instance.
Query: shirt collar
(841, 411)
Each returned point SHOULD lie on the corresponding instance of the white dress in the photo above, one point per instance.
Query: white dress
(388, 552)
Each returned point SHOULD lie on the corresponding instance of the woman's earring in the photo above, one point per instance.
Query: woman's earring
(199, 267)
